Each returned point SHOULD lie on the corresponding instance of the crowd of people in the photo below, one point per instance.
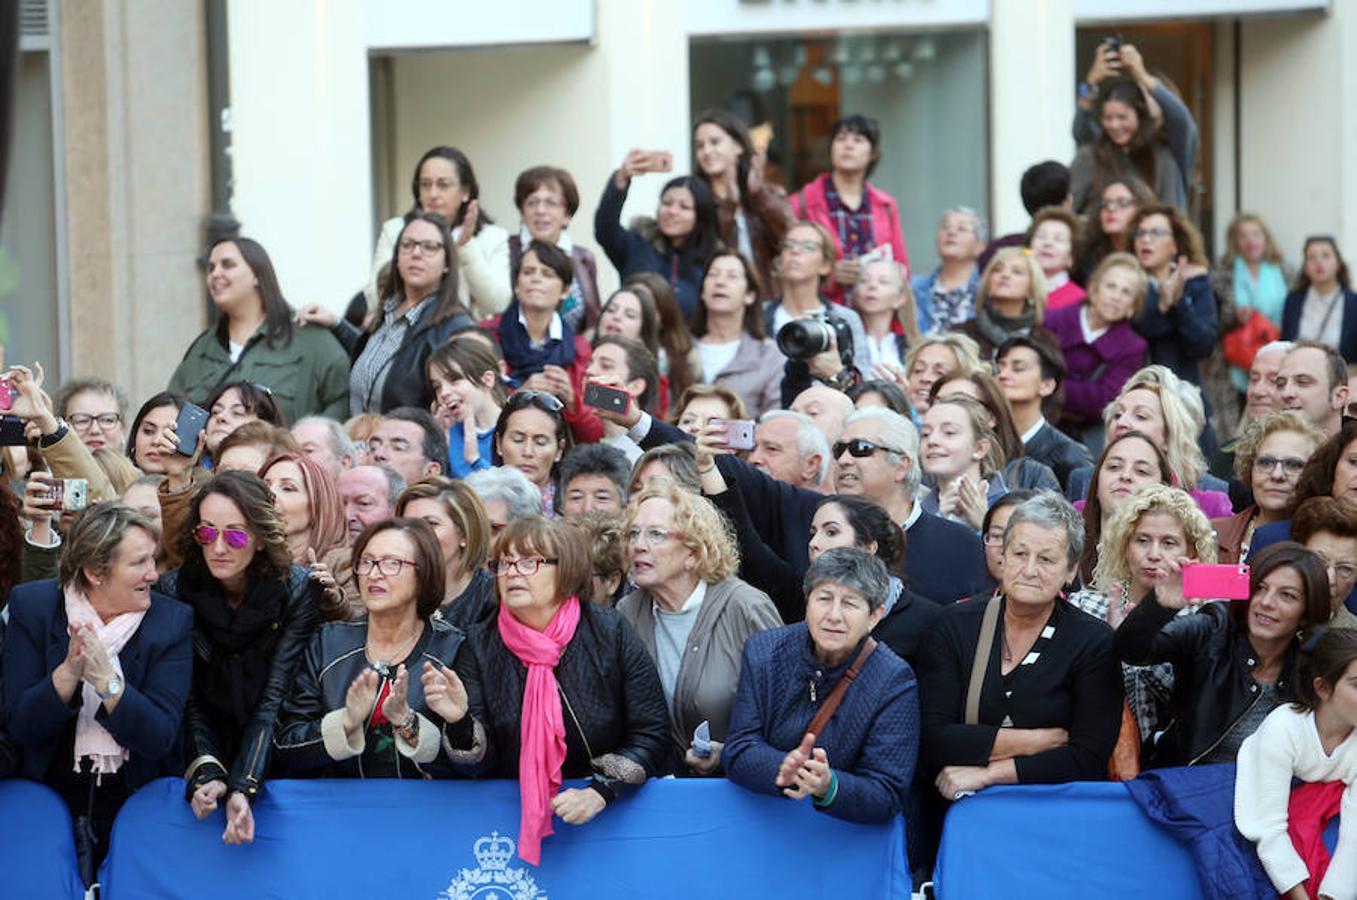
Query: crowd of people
(1075, 504)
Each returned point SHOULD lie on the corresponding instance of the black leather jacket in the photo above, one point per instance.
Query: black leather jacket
(405, 383)
(310, 727)
(244, 662)
(616, 719)
(1213, 661)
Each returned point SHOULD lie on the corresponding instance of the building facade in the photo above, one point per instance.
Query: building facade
(320, 109)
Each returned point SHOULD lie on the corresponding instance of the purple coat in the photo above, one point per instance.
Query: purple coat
(1096, 371)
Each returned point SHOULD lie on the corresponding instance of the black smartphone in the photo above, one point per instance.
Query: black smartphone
(609, 399)
(1113, 43)
(191, 420)
(12, 431)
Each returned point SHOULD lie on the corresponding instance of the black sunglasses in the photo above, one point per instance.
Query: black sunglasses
(860, 447)
(541, 399)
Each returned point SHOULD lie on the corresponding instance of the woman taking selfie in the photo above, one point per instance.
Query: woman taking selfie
(254, 612)
(676, 244)
(1233, 663)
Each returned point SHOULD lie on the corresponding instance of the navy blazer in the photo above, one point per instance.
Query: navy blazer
(943, 560)
(157, 663)
(1347, 341)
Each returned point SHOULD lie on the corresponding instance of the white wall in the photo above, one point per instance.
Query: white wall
(1298, 128)
(300, 146)
(407, 24)
(1032, 78)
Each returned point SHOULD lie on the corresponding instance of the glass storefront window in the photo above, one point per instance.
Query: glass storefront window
(928, 91)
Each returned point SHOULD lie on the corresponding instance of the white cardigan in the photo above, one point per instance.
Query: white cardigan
(1287, 745)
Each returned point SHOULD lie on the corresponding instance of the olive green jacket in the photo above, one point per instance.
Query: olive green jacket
(308, 376)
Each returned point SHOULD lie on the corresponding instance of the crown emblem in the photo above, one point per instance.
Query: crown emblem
(493, 852)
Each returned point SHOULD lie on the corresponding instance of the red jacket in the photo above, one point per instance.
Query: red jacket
(585, 425)
(810, 204)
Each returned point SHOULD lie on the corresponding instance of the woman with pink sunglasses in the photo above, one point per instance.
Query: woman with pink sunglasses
(254, 612)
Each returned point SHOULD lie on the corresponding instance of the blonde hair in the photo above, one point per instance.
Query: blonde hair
(464, 507)
(1271, 252)
(1036, 289)
(1259, 430)
(963, 347)
(1113, 567)
(908, 313)
(699, 526)
(117, 467)
(1184, 418)
(993, 460)
(1131, 264)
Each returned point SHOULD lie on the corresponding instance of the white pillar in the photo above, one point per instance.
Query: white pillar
(301, 142)
(1032, 91)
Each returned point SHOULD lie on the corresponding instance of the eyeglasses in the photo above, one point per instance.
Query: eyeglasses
(527, 566)
(235, 538)
(443, 184)
(994, 539)
(389, 566)
(1153, 234)
(83, 421)
(427, 248)
(1291, 466)
(1118, 203)
(543, 203)
(649, 536)
(800, 246)
(546, 401)
(1342, 571)
(860, 447)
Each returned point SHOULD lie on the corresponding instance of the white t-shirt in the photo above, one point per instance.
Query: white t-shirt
(235, 350)
(715, 358)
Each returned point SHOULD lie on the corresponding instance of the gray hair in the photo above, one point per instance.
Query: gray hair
(898, 432)
(395, 484)
(340, 443)
(809, 438)
(855, 569)
(977, 223)
(61, 401)
(1275, 347)
(1052, 511)
(520, 496)
(94, 539)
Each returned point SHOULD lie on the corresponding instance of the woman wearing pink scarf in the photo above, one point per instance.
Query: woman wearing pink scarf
(96, 672)
(567, 688)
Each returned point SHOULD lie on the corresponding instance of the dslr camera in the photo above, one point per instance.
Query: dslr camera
(803, 338)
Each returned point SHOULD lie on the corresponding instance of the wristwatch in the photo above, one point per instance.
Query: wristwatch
(113, 688)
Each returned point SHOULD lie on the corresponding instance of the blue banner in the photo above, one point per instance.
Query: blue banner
(689, 839)
(1069, 840)
(37, 845)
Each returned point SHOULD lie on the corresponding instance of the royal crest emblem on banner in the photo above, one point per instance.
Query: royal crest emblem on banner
(493, 879)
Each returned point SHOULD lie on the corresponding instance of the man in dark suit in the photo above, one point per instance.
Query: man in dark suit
(876, 457)
(1030, 371)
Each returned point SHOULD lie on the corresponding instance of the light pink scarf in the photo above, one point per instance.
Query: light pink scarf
(542, 729)
(91, 738)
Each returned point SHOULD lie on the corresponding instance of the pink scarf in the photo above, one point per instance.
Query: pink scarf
(91, 738)
(542, 733)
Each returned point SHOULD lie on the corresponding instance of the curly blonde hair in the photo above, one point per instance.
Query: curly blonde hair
(1259, 430)
(699, 526)
(1113, 567)
(1184, 418)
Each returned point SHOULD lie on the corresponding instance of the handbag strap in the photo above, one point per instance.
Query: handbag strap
(988, 625)
(835, 697)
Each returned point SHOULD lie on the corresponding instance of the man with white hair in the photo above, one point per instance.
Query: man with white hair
(876, 457)
(790, 447)
(825, 406)
(325, 441)
(1260, 399)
